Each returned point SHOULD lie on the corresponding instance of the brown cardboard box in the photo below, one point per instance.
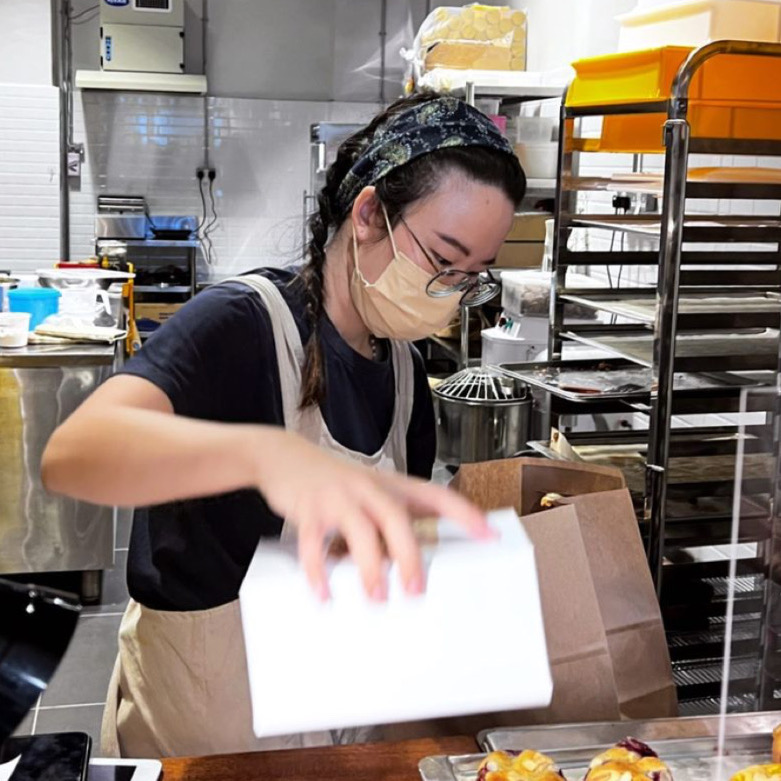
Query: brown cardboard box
(595, 511)
(529, 226)
(156, 312)
(606, 641)
(520, 254)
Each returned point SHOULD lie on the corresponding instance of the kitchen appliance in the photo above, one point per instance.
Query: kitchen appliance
(161, 249)
(325, 139)
(482, 414)
(142, 36)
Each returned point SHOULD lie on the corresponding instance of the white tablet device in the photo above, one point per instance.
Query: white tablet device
(124, 770)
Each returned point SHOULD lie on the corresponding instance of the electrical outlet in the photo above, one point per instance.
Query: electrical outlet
(205, 173)
(75, 159)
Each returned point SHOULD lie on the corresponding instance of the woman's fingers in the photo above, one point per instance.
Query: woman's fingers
(423, 499)
(394, 523)
(311, 554)
(364, 543)
(365, 507)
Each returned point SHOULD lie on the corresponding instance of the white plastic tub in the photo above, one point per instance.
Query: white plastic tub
(539, 161)
(499, 346)
(14, 329)
(696, 22)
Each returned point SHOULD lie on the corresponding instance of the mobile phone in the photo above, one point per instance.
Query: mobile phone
(124, 770)
(62, 756)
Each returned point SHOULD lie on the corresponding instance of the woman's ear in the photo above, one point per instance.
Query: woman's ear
(366, 217)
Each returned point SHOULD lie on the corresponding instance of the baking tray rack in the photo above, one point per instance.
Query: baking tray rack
(695, 310)
(696, 228)
(619, 380)
(748, 349)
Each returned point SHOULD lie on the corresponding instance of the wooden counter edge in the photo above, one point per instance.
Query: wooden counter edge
(365, 761)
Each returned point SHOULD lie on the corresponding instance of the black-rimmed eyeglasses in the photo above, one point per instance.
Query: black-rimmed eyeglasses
(476, 287)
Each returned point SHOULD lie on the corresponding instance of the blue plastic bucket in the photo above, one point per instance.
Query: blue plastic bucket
(40, 302)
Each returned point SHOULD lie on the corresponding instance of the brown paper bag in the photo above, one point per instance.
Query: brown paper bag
(596, 517)
(584, 687)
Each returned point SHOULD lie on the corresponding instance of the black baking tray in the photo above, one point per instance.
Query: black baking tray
(543, 374)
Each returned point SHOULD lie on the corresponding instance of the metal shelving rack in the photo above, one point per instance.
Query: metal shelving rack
(661, 338)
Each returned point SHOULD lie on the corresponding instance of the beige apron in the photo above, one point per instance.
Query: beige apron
(180, 686)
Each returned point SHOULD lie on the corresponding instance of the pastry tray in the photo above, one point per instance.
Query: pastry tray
(608, 377)
(688, 746)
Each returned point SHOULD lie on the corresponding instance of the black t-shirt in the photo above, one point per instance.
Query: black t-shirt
(216, 360)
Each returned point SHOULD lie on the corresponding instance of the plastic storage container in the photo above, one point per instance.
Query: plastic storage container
(40, 302)
(539, 161)
(731, 96)
(527, 293)
(698, 22)
(14, 329)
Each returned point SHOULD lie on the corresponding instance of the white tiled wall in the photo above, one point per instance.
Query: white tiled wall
(29, 175)
(151, 145)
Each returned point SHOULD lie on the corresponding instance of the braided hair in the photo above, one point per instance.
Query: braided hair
(400, 188)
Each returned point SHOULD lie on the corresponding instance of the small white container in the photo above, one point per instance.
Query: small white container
(539, 161)
(697, 22)
(499, 346)
(14, 329)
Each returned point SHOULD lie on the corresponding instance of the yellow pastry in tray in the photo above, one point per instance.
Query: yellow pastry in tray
(511, 766)
(629, 760)
(759, 773)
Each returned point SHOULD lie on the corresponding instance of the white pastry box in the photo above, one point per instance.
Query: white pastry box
(474, 642)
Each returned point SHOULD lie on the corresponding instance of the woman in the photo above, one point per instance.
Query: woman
(294, 396)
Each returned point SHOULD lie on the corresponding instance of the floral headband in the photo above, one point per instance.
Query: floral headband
(441, 123)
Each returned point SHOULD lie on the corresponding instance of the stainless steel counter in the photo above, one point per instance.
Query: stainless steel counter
(56, 355)
(41, 385)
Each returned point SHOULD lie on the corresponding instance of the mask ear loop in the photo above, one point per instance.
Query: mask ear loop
(358, 271)
(365, 282)
(390, 230)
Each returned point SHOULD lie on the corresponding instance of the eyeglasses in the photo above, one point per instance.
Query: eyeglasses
(476, 287)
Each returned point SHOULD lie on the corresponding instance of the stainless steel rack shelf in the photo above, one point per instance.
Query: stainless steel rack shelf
(668, 326)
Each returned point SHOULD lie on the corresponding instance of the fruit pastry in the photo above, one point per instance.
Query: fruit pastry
(514, 766)
(629, 760)
(759, 773)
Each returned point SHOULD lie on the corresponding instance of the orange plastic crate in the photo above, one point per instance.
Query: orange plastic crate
(731, 96)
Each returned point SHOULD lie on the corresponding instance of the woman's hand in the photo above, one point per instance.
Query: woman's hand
(321, 493)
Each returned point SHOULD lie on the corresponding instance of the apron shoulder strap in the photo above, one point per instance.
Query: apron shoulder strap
(404, 373)
(287, 342)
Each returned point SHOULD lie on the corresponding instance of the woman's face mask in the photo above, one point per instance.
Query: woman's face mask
(397, 306)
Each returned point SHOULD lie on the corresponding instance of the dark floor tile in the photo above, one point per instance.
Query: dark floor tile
(113, 591)
(72, 719)
(124, 525)
(83, 675)
(26, 727)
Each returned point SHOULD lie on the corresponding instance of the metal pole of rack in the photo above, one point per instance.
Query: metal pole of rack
(564, 212)
(469, 97)
(676, 138)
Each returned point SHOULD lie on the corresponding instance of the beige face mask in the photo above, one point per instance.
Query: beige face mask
(397, 306)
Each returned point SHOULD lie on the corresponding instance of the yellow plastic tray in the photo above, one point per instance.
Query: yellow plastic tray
(731, 96)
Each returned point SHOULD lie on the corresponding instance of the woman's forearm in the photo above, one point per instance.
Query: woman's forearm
(134, 457)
